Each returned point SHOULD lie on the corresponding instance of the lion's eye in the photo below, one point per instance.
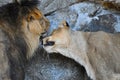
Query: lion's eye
(31, 18)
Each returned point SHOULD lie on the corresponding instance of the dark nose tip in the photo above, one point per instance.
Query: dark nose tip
(49, 43)
(43, 35)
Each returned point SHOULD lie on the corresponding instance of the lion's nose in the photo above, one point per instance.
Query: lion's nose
(43, 35)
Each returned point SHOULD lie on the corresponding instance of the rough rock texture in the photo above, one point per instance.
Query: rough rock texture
(86, 16)
(48, 6)
(45, 66)
(105, 23)
(83, 16)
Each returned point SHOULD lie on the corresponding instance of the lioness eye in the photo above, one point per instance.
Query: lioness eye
(49, 43)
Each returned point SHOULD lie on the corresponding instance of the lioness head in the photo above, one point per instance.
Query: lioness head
(59, 38)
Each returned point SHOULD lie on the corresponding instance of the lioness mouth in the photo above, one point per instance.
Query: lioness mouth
(48, 43)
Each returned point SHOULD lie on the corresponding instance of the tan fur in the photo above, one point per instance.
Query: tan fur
(98, 52)
(36, 14)
(21, 25)
(33, 30)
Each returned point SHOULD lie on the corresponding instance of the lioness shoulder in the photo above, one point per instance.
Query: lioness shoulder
(98, 51)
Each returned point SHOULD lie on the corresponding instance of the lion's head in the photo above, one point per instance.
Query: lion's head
(23, 20)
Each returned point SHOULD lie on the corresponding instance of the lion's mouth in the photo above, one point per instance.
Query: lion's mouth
(43, 35)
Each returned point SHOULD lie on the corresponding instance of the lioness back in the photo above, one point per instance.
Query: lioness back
(98, 52)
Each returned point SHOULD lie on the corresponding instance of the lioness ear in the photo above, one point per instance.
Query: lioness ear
(67, 24)
(64, 24)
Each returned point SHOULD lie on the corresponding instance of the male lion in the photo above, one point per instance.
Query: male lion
(97, 52)
(21, 24)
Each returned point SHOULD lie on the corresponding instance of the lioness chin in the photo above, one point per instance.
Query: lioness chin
(97, 52)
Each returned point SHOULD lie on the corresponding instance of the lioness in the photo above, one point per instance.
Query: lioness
(97, 52)
(21, 24)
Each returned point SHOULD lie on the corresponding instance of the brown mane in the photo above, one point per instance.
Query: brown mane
(21, 24)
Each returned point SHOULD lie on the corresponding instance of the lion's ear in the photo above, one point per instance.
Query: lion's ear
(34, 15)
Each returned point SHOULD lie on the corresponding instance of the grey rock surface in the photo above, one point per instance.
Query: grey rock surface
(2, 2)
(46, 66)
(104, 23)
(48, 6)
(86, 16)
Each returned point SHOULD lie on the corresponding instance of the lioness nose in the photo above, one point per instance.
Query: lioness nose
(49, 43)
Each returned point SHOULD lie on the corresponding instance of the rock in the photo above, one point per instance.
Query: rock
(104, 23)
(58, 16)
(46, 66)
(48, 6)
(2, 2)
(117, 24)
(87, 17)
